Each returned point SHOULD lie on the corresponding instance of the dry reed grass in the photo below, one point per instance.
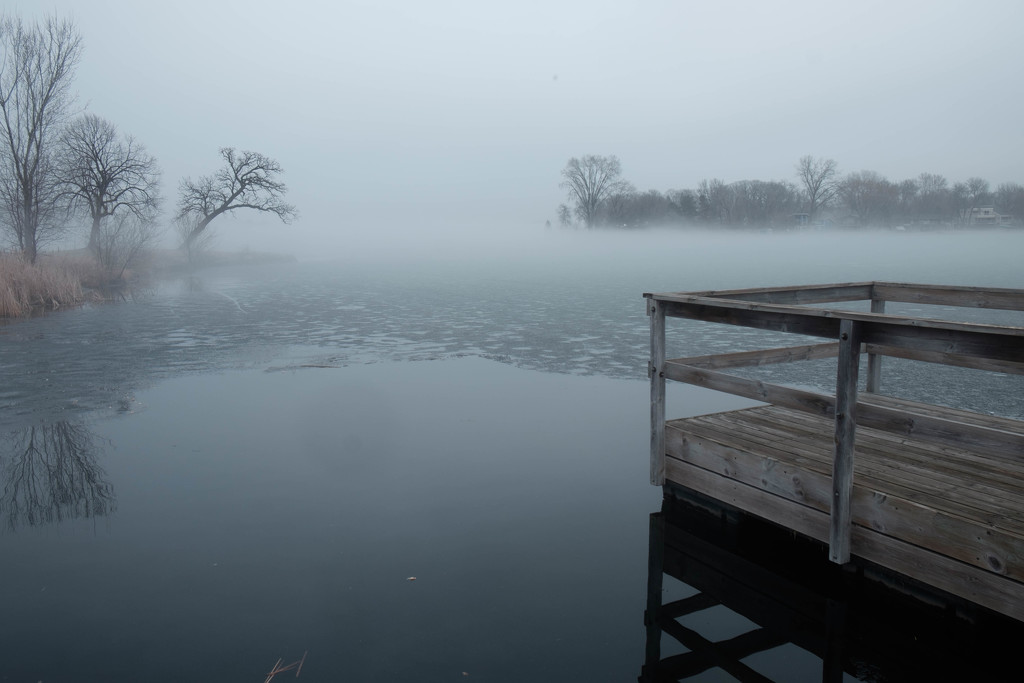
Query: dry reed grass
(25, 288)
(68, 278)
(281, 669)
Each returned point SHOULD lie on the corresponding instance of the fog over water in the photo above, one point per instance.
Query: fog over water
(423, 116)
(564, 302)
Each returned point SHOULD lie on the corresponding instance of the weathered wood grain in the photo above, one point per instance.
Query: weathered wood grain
(845, 434)
(921, 466)
(936, 335)
(986, 588)
(874, 378)
(657, 377)
(934, 521)
(918, 408)
(798, 294)
(798, 399)
(743, 359)
(943, 295)
(939, 295)
(944, 358)
(946, 426)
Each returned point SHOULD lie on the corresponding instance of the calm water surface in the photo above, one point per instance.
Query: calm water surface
(250, 464)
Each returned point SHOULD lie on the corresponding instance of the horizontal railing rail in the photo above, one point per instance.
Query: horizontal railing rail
(951, 428)
(937, 295)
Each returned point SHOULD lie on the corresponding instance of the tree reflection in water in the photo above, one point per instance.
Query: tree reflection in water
(49, 473)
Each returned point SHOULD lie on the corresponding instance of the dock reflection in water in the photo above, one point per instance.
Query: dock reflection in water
(49, 473)
(731, 597)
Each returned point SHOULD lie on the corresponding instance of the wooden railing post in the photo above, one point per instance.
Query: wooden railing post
(842, 461)
(655, 370)
(874, 360)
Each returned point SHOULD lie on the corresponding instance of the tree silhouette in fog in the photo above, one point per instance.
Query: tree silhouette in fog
(37, 68)
(819, 180)
(589, 180)
(107, 174)
(248, 180)
(49, 473)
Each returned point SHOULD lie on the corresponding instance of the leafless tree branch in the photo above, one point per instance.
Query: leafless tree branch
(248, 181)
(818, 177)
(106, 174)
(589, 180)
(36, 71)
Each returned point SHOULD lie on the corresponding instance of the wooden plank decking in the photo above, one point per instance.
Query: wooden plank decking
(927, 491)
(947, 516)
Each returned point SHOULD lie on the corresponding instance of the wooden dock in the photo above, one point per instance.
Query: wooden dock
(932, 492)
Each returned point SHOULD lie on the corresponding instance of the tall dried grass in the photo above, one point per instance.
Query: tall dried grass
(25, 288)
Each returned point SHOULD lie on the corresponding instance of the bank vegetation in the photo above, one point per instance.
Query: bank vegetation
(48, 284)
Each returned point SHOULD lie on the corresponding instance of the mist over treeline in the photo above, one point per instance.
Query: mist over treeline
(818, 195)
(82, 180)
(69, 175)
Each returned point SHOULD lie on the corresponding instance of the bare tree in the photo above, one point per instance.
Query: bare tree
(716, 201)
(36, 72)
(589, 180)
(1009, 199)
(684, 202)
(121, 240)
(818, 177)
(907, 191)
(977, 194)
(932, 183)
(249, 181)
(959, 198)
(760, 202)
(107, 174)
(564, 216)
(935, 200)
(869, 197)
(616, 209)
(193, 243)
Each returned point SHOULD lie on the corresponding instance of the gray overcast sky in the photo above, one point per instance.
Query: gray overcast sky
(466, 112)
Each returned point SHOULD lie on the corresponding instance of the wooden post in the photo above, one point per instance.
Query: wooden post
(842, 461)
(874, 360)
(654, 371)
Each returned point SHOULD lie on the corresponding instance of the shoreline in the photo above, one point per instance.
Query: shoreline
(63, 280)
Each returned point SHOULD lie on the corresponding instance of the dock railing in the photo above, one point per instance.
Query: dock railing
(852, 334)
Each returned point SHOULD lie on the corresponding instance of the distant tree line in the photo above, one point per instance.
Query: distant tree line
(598, 196)
(63, 171)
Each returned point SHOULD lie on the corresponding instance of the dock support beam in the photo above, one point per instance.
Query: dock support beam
(655, 584)
(846, 423)
(655, 371)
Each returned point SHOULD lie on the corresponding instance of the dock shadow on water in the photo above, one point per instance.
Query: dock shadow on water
(731, 597)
